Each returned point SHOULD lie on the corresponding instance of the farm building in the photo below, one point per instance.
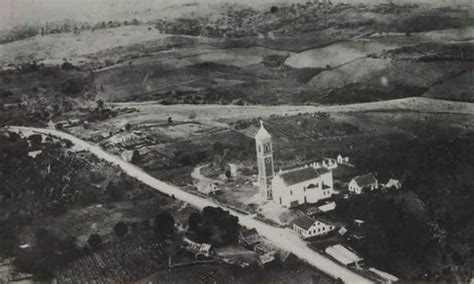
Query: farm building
(343, 255)
(249, 238)
(363, 182)
(290, 188)
(308, 227)
(393, 184)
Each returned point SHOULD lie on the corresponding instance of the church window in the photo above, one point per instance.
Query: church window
(291, 192)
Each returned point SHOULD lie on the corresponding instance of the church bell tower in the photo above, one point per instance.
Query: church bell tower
(263, 141)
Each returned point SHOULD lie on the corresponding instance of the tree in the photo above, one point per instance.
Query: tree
(170, 120)
(194, 221)
(94, 241)
(100, 104)
(121, 229)
(146, 224)
(128, 126)
(228, 174)
(164, 224)
(218, 226)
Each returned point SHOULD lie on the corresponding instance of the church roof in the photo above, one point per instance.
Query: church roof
(365, 180)
(262, 133)
(302, 174)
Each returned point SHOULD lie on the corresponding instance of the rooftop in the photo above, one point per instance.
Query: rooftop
(249, 233)
(304, 222)
(302, 174)
(365, 180)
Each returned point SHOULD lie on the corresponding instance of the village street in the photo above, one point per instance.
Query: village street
(283, 238)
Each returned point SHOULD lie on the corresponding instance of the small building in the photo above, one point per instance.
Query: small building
(265, 259)
(127, 155)
(327, 207)
(340, 159)
(249, 238)
(358, 223)
(308, 227)
(343, 255)
(363, 182)
(387, 277)
(342, 231)
(33, 154)
(199, 250)
(209, 188)
(393, 184)
(51, 125)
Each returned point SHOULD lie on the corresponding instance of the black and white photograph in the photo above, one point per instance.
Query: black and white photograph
(236, 141)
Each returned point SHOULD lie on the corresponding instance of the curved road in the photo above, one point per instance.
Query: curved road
(283, 238)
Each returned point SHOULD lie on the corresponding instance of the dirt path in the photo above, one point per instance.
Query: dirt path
(283, 238)
(153, 110)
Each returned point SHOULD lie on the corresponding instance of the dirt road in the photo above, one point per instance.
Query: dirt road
(283, 238)
(152, 111)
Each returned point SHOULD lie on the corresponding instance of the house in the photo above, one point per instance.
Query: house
(249, 238)
(343, 255)
(33, 154)
(208, 188)
(127, 155)
(199, 250)
(265, 259)
(393, 184)
(327, 207)
(51, 125)
(308, 184)
(363, 182)
(308, 227)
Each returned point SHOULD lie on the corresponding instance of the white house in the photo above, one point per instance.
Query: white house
(302, 185)
(364, 182)
(308, 227)
(208, 188)
(393, 184)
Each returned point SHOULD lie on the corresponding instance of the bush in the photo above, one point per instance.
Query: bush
(94, 241)
(121, 229)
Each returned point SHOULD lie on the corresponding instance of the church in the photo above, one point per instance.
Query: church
(290, 188)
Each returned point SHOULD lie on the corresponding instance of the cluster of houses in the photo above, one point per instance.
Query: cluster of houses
(250, 239)
(308, 184)
(312, 184)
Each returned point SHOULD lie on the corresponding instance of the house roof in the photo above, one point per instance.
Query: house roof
(342, 254)
(304, 222)
(393, 182)
(365, 180)
(302, 174)
(249, 233)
